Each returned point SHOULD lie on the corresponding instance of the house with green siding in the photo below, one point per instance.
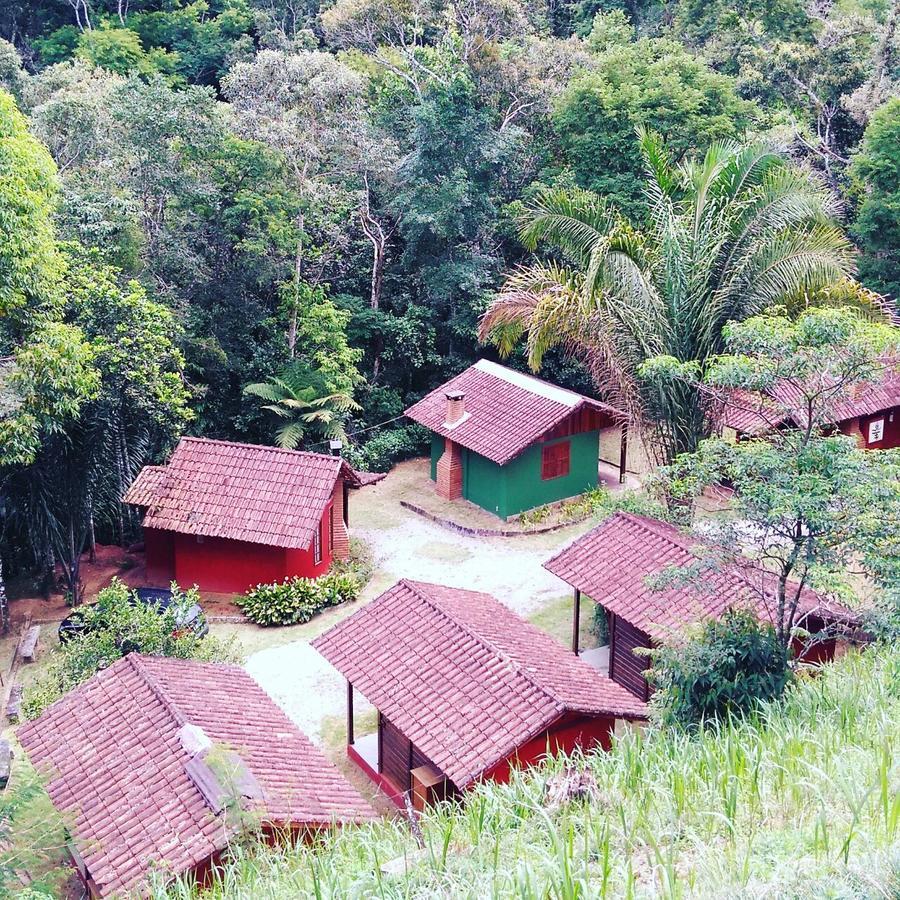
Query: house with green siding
(509, 442)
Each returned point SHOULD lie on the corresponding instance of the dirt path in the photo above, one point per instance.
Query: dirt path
(407, 546)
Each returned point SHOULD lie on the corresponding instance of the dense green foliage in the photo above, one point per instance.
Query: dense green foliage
(798, 799)
(728, 235)
(877, 225)
(114, 627)
(724, 669)
(296, 600)
(322, 200)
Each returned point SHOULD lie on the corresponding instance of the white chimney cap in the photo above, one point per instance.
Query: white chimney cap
(194, 739)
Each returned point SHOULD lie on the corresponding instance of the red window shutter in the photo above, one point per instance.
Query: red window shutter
(555, 460)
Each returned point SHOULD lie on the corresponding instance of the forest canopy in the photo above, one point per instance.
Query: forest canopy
(267, 220)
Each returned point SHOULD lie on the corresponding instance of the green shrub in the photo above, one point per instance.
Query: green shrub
(117, 626)
(728, 667)
(600, 625)
(296, 600)
(386, 448)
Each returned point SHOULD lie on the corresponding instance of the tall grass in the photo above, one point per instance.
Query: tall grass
(801, 801)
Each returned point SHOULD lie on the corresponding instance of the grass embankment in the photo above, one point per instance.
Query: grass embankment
(803, 801)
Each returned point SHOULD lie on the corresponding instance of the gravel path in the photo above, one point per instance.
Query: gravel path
(508, 568)
(302, 683)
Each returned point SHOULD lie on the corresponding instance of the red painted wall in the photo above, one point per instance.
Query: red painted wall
(159, 548)
(859, 428)
(225, 566)
(569, 732)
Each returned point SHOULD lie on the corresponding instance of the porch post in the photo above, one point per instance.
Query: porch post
(349, 714)
(623, 453)
(576, 621)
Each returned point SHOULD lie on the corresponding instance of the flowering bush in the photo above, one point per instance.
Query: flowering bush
(296, 600)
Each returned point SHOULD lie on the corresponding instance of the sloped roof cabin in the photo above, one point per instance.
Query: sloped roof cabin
(227, 516)
(509, 442)
(870, 413)
(152, 760)
(465, 689)
(611, 565)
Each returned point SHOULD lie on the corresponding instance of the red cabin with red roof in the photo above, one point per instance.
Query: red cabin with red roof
(870, 412)
(228, 516)
(153, 762)
(465, 691)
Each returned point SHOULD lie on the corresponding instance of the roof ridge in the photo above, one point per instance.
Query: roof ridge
(528, 382)
(152, 682)
(307, 453)
(661, 528)
(477, 635)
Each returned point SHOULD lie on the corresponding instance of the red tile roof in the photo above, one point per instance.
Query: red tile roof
(611, 564)
(505, 411)
(755, 414)
(118, 770)
(463, 677)
(243, 492)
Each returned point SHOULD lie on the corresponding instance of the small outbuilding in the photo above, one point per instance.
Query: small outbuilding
(228, 516)
(870, 413)
(155, 765)
(612, 564)
(509, 442)
(464, 690)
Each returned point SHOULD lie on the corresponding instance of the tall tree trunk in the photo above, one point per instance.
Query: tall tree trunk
(298, 275)
(4, 603)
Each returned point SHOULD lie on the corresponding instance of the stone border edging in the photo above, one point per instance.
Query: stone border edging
(450, 525)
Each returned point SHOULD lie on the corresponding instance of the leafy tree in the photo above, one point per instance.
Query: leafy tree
(91, 414)
(654, 83)
(725, 668)
(118, 624)
(727, 236)
(877, 224)
(809, 506)
(445, 208)
(30, 265)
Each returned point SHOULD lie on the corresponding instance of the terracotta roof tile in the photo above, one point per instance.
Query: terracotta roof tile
(243, 492)
(784, 402)
(506, 411)
(611, 565)
(463, 677)
(116, 765)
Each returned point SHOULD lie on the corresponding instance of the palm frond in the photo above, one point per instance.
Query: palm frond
(573, 221)
(290, 436)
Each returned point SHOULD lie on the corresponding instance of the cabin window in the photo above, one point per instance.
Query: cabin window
(330, 528)
(876, 431)
(555, 460)
(317, 545)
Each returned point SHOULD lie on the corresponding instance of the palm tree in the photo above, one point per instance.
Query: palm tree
(306, 402)
(726, 237)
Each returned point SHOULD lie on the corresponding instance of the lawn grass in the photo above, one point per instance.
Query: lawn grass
(801, 801)
(556, 619)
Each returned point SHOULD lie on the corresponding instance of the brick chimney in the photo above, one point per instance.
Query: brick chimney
(456, 407)
(449, 472)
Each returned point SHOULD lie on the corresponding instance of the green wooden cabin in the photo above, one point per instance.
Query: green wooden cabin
(509, 442)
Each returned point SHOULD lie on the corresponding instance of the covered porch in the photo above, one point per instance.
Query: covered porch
(384, 755)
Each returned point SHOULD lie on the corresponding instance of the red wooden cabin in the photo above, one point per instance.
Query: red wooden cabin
(465, 690)
(611, 565)
(228, 516)
(152, 760)
(870, 413)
